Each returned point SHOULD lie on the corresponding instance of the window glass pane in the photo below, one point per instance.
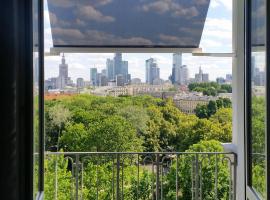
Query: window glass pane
(128, 23)
(258, 97)
(36, 97)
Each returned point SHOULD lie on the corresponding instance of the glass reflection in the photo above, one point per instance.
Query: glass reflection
(258, 98)
(35, 99)
(176, 23)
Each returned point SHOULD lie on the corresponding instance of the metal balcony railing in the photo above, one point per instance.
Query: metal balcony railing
(148, 175)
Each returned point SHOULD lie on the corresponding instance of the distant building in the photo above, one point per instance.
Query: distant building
(110, 69)
(104, 72)
(120, 80)
(201, 77)
(188, 102)
(50, 84)
(220, 80)
(158, 81)
(93, 76)
(103, 80)
(228, 78)
(98, 83)
(128, 78)
(179, 72)
(136, 81)
(259, 77)
(118, 64)
(152, 70)
(80, 83)
(63, 78)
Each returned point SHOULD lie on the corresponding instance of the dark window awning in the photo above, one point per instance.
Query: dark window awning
(127, 25)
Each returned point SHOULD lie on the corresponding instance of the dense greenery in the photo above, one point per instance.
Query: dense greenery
(210, 88)
(206, 111)
(138, 123)
(91, 123)
(258, 145)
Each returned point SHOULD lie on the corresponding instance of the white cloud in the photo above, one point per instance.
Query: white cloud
(164, 6)
(90, 13)
(222, 3)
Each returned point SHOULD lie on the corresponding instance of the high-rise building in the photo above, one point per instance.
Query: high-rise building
(151, 70)
(110, 69)
(124, 70)
(201, 77)
(63, 74)
(103, 80)
(93, 76)
(120, 80)
(220, 80)
(228, 78)
(104, 72)
(184, 75)
(179, 71)
(117, 64)
(80, 83)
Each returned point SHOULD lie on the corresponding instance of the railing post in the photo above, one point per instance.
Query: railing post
(56, 178)
(117, 177)
(77, 177)
(157, 177)
(197, 177)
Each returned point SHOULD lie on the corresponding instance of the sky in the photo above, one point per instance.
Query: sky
(216, 37)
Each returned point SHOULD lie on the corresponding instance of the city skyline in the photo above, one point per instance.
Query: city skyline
(216, 37)
(116, 73)
(165, 68)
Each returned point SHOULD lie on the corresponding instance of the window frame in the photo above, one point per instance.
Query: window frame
(251, 194)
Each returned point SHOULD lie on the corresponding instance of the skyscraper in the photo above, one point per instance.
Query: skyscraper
(201, 77)
(110, 69)
(63, 74)
(117, 63)
(80, 83)
(179, 71)
(151, 70)
(93, 76)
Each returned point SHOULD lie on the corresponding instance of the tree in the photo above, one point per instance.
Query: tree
(57, 184)
(57, 117)
(201, 111)
(113, 134)
(207, 167)
(211, 107)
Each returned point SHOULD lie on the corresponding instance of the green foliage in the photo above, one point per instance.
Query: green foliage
(207, 165)
(211, 88)
(258, 117)
(206, 111)
(138, 123)
(57, 117)
(57, 174)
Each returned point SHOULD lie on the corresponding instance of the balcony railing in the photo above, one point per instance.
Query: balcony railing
(130, 175)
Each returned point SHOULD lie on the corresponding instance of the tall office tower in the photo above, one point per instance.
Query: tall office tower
(93, 76)
(80, 83)
(103, 80)
(184, 75)
(120, 80)
(151, 70)
(110, 69)
(98, 79)
(117, 63)
(228, 77)
(201, 77)
(125, 70)
(176, 69)
(104, 72)
(63, 74)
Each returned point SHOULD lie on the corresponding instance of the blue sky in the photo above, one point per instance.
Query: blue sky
(217, 37)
